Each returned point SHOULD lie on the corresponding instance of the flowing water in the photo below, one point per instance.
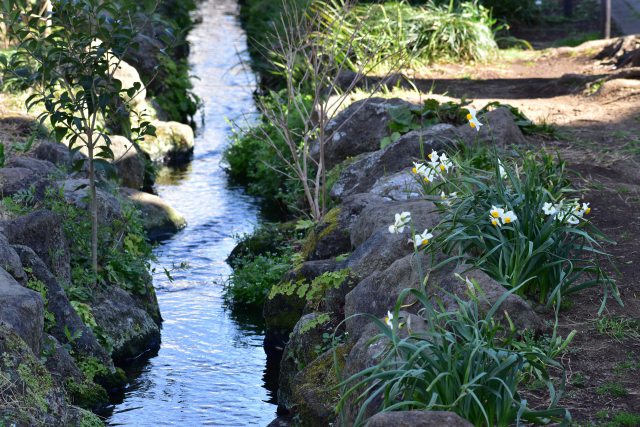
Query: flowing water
(210, 368)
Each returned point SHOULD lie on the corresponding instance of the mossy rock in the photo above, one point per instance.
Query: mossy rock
(87, 394)
(33, 397)
(328, 239)
(268, 238)
(315, 395)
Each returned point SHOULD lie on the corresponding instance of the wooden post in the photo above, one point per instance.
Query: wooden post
(606, 18)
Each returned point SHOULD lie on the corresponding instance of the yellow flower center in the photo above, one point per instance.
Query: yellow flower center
(473, 125)
(507, 220)
(414, 170)
(442, 168)
(494, 222)
(426, 179)
(495, 214)
(586, 211)
(424, 242)
(429, 156)
(469, 116)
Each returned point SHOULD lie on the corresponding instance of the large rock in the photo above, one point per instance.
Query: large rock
(499, 129)
(159, 219)
(315, 392)
(77, 193)
(41, 168)
(66, 318)
(368, 350)
(125, 323)
(358, 129)
(54, 152)
(299, 352)
(376, 217)
(128, 162)
(399, 186)
(417, 419)
(172, 144)
(42, 231)
(489, 292)
(361, 175)
(14, 180)
(379, 292)
(378, 252)
(22, 311)
(10, 261)
(32, 396)
(129, 77)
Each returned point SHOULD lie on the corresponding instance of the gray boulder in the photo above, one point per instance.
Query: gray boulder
(41, 168)
(362, 174)
(417, 419)
(489, 292)
(129, 76)
(54, 152)
(128, 162)
(42, 231)
(59, 305)
(173, 143)
(399, 186)
(499, 129)
(10, 261)
(22, 311)
(358, 129)
(380, 216)
(15, 179)
(125, 323)
(379, 292)
(159, 219)
(378, 252)
(77, 193)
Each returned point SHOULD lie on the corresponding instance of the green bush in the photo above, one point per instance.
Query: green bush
(252, 160)
(252, 278)
(461, 363)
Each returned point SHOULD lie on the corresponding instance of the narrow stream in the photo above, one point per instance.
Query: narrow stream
(210, 368)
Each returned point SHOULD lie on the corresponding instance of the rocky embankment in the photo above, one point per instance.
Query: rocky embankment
(59, 349)
(373, 185)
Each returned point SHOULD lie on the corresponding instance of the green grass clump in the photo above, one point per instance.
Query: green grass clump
(619, 419)
(612, 389)
(619, 328)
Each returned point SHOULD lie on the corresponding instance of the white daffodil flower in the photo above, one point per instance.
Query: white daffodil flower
(445, 163)
(586, 209)
(501, 171)
(420, 240)
(508, 217)
(434, 157)
(473, 120)
(550, 209)
(389, 319)
(401, 221)
(496, 212)
(427, 173)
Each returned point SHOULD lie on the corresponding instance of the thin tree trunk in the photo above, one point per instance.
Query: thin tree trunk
(93, 207)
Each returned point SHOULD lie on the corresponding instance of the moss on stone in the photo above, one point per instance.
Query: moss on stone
(87, 394)
(328, 225)
(89, 419)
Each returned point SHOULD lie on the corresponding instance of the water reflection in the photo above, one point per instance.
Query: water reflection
(210, 369)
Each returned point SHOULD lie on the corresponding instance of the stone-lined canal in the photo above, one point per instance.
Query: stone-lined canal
(210, 368)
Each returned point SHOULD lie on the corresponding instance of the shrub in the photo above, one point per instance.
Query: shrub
(459, 363)
(252, 278)
(252, 160)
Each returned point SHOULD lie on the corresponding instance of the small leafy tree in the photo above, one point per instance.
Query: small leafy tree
(69, 53)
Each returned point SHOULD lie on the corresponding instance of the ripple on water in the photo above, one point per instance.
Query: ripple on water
(209, 370)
